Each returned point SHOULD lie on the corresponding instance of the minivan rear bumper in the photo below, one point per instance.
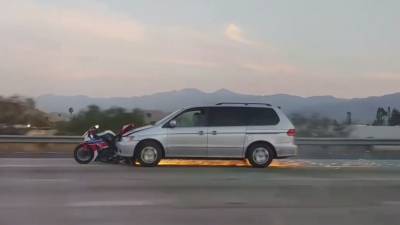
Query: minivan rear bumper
(286, 150)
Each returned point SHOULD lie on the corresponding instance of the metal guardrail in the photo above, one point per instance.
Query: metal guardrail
(299, 141)
(40, 139)
(347, 141)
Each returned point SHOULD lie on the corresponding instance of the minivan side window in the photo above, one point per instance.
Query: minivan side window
(261, 116)
(226, 116)
(191, 118)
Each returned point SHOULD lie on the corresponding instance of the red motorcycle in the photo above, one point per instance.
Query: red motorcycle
(99, 146)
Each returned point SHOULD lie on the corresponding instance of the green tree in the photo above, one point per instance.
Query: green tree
(19, 110)
(109, 119)
(395, 118)
(30, 103)
(380, 117)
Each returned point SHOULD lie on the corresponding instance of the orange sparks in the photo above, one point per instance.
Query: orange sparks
(224, 163)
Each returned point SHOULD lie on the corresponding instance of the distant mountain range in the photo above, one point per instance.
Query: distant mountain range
(362, 109)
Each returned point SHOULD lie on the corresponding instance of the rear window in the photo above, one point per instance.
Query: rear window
(261, 116)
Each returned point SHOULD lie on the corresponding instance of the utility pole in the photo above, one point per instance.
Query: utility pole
(389, 115)
(348, 118)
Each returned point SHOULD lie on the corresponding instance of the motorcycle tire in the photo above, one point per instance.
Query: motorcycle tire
(82, 155)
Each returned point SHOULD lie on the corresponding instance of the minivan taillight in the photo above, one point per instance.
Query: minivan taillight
(291, 132)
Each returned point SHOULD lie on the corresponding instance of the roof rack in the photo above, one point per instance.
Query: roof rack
(243, 103)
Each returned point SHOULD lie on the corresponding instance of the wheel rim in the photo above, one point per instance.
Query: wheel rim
(149, 154)
(260, 155)
(83, 154)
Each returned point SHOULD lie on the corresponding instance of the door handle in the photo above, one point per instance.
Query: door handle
(201, 132)
(214, 132)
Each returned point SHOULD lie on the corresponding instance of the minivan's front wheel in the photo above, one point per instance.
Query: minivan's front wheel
(149, 154)
(260, 155)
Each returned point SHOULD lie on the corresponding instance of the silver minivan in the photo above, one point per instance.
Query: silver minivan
(254, 131)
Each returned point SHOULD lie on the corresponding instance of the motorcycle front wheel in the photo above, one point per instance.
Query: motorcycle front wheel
(83, 155)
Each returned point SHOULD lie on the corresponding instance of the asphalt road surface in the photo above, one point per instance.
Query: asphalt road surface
(59, 191)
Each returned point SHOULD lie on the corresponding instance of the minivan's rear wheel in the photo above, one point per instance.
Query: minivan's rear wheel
(260, 155)
(149, 154)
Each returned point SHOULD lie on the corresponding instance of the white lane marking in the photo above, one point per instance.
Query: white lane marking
(82, 204)
(7, 182)
(112, 203)
(391, 203)
(45, 180)
(45, 166)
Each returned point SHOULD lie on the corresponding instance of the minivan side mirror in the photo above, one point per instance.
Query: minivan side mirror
(172, 123)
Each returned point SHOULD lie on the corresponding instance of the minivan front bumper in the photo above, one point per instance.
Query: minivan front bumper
(126, 147)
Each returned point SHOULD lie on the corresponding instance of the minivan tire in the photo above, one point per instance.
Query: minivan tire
(149, 154)
(260, 155)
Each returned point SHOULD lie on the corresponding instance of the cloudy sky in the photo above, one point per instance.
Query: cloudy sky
(346, 48)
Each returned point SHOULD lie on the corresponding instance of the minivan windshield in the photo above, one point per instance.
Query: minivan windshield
(167, 117)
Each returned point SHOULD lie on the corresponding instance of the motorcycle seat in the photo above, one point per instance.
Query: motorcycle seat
(107, 136)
